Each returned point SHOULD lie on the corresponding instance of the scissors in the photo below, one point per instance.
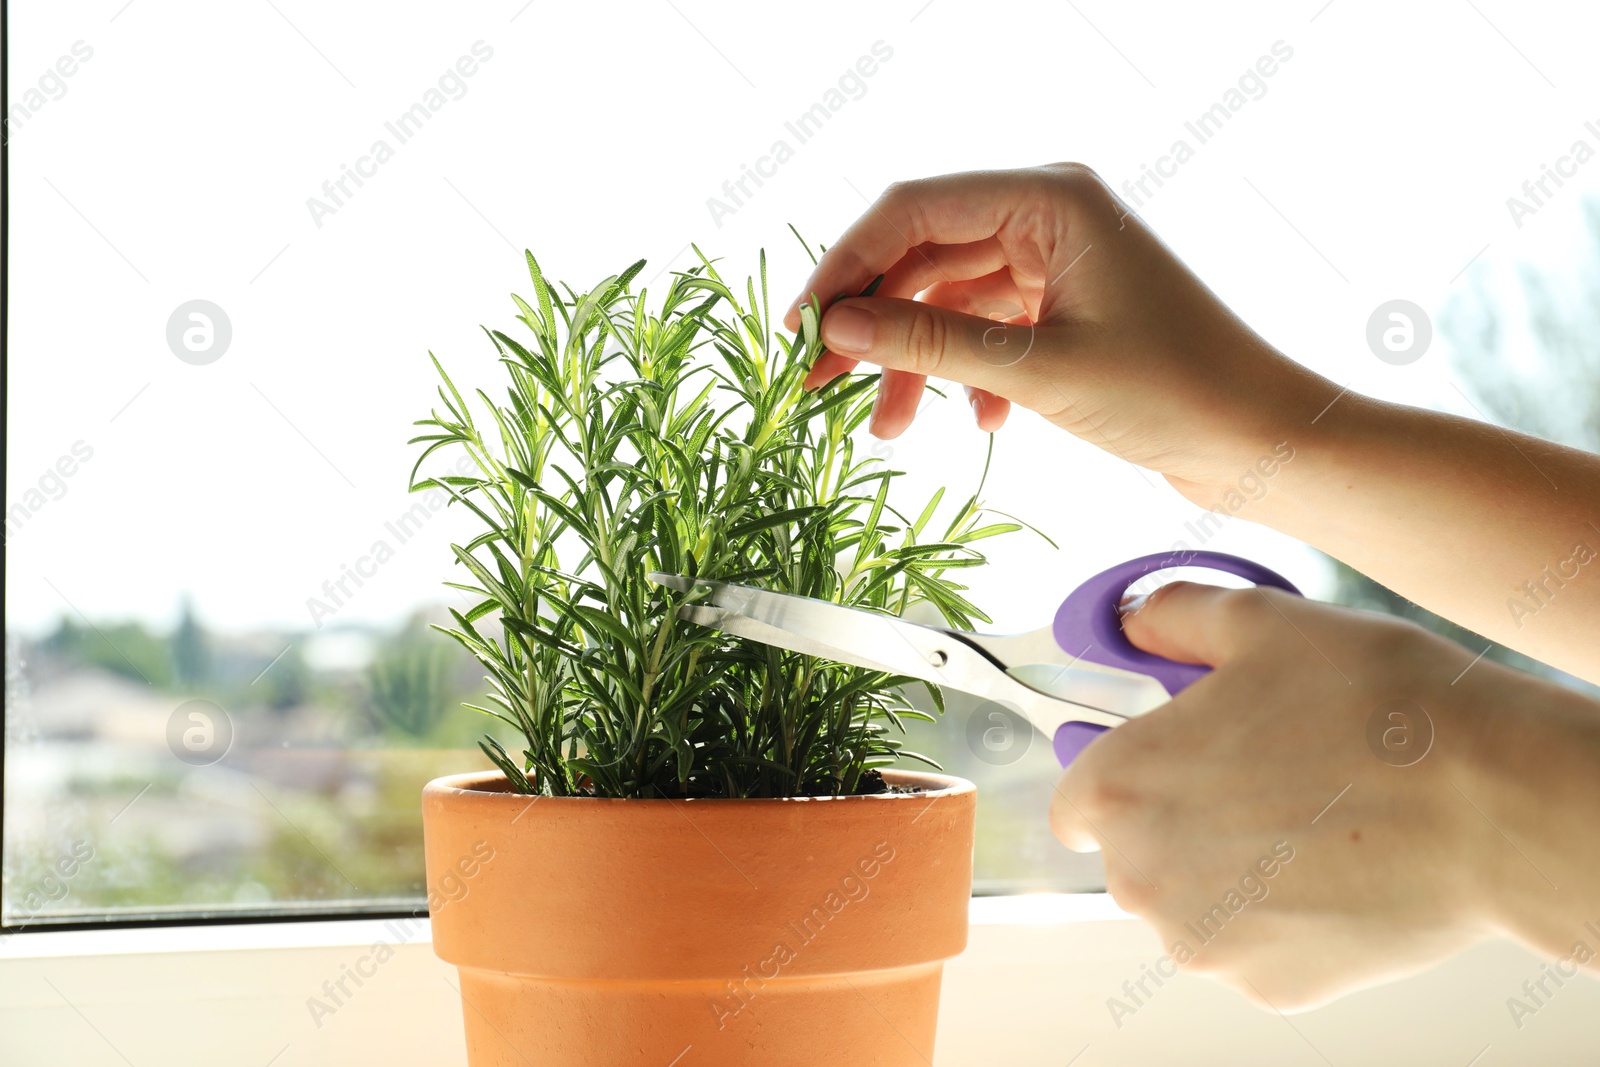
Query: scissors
(1072, 680)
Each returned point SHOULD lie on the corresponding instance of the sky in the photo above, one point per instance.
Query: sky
(184, 157)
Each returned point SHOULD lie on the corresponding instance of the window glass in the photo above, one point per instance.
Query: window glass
(236, 233)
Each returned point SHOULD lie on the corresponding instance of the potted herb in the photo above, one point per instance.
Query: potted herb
(700, 854)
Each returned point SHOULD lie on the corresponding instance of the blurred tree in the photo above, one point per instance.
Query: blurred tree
(287, 682)
(1554, 393)
(190, 657)
(125, 649)
(410, 681)
(1558, 395)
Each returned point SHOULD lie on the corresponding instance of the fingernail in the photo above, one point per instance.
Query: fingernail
(1131, 604)
(977, 406)
(872, 419)
(848, 330)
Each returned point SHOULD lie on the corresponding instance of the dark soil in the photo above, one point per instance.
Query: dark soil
(872, 782)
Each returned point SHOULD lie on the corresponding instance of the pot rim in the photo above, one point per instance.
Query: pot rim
(489, 787)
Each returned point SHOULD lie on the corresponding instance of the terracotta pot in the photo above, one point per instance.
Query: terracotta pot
(808, 931)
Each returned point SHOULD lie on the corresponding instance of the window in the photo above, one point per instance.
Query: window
(237, 232)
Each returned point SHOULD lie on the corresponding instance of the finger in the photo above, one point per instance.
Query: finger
(924, 339)
(1130, 888)
(993, 296)
(1068, 822)
(899, 396)
(1195, 623)
(989, 410)
(950, 210)
(930, 264)
(828, 366)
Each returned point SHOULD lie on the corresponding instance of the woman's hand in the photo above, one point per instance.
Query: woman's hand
(1345, 799)
(1037, 286)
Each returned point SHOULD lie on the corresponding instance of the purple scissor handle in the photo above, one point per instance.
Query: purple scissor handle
(1089, 617)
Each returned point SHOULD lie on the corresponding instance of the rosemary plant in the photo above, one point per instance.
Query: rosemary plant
(679, 438)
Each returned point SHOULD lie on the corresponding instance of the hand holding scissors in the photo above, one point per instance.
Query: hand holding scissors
(1072, 679)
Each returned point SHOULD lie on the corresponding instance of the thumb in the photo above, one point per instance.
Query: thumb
(923, 338)
(1194, 623)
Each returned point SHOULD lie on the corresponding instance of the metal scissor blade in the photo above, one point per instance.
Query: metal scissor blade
(744, 626)
(821, 628)
(1035, 659)
(877, 642)
(1093, 687)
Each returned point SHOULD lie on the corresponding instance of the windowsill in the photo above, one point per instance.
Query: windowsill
(1032, 987)
(1032, 909)
(43, 943)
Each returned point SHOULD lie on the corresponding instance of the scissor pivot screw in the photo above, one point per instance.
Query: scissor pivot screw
(938, 659)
